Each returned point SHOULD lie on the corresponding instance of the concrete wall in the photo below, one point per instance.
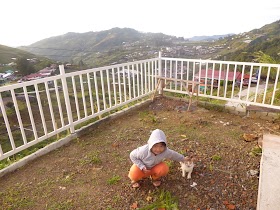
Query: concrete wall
(240, 111)
(269, 180)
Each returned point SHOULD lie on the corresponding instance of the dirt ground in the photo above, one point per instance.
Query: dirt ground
(91, 172)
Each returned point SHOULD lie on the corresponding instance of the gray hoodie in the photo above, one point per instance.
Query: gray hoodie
(143, 157)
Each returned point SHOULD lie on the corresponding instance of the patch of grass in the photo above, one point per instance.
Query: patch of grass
(146, 116)
(45, 193)
(177, 95)
(181, 129)
(164, 200)
(169, 163)
(86, 123)
(91, 158)
(45, 183)
(216, 157)
(211, 167)
(117, 198)
(67, 179)
(115, 179)
(217, 105)
(234, 134)
(143, 114)
(182, 152)
(118, 157)
(61, 205)
(154, 119)
(256, 151)
(13, 200)
(4, 163)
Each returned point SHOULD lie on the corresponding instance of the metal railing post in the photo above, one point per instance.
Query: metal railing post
(67, 99)
(160, 89)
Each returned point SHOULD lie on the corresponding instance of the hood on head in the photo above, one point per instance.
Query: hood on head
(156, 136)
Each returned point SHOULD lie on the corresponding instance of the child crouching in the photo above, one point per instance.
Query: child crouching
(148, 159)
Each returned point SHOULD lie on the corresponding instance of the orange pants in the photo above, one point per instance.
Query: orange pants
(159, 170)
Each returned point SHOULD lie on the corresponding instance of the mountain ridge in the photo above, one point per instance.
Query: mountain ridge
(127, 44)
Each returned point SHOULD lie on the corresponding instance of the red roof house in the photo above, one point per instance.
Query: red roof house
(216, 75)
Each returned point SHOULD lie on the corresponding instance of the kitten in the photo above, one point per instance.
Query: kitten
(187, 167)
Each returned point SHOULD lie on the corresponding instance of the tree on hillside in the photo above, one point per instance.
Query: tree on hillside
(24, 66)
(261, 57)
(81, 64)
(42, 64)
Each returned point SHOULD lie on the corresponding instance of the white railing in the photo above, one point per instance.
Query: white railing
(34, 111)
(234, 82)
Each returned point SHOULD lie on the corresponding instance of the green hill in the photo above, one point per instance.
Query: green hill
(265, 39)
(114, 44)
(7, 53)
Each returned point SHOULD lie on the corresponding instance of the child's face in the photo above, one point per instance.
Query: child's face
(158, 148)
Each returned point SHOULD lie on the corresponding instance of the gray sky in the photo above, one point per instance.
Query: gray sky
(24, 22)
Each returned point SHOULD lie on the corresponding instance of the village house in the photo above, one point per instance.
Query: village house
(46, 72)
(6, 76)
(217, 75)
(31, 77)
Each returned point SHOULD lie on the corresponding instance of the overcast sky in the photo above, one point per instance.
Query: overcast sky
(24, 22)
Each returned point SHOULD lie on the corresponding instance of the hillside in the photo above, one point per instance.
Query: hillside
(119, 45)
(241, 47)
(89, 47)
(6, 53)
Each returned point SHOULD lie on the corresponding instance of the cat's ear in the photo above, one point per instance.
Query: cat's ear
(187, 159)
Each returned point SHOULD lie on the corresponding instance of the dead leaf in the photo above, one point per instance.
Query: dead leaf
(161, 209)
(231, 207)
(149, 198)
(250, 137)
(115, 144)
(134, 205)
(225, 202)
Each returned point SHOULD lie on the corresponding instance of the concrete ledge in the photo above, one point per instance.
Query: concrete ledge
(269, 181)
(263, 115)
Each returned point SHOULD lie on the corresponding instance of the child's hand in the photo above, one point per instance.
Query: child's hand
(146, 170)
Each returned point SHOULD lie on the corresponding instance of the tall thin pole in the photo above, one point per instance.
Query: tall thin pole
(160, 72)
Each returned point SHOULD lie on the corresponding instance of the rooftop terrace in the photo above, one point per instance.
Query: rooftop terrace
(90, 172)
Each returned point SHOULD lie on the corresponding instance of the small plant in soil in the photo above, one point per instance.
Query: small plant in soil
(114, 180)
